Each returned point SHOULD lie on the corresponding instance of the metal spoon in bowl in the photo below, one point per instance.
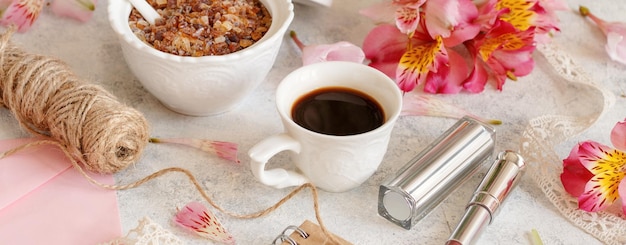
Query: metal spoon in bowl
(147, 11)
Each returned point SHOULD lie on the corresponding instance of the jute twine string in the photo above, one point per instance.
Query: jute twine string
(49, 100)
(87, 123)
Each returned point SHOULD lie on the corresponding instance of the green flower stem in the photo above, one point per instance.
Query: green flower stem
(535, 238)
(296, 40)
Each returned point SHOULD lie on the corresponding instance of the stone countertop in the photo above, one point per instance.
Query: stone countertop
(92, 50)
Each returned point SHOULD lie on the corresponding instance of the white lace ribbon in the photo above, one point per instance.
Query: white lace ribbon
(543, 134)
(147, 233)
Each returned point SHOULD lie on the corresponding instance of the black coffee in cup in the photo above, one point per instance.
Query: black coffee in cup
(338, 111)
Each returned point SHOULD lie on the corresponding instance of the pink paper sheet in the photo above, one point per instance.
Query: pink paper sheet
(44, 200)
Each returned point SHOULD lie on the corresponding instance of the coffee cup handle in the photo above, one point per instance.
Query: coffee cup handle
(263, 151)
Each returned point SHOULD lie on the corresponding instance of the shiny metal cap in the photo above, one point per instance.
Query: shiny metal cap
(435, 172)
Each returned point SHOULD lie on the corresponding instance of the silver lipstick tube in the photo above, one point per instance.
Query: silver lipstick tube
(492, 191)
(435, 172)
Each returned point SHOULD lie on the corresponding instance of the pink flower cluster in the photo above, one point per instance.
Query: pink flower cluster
(423, 41)
(23, 13)
(594, 173)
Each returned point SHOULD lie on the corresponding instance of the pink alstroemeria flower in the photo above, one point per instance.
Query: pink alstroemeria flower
(441, 17)
(431, 63)
(505, 51)
(615, 35)
(423, 61)
(340, 51)
(196, 218)
(424, 57)
(594, 173)
(23, 13)
(540, 14)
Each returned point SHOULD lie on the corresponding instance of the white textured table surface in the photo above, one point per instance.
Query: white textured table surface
(93, 52)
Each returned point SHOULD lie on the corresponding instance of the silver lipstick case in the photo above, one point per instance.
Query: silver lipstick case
(502, 177)
(439, 169)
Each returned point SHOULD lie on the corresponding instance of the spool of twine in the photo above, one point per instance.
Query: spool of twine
(88, 123)
(49, 100)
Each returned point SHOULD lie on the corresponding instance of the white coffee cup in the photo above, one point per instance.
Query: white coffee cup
(332, 163)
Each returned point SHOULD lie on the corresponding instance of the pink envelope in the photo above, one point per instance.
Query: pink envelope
(44, 200)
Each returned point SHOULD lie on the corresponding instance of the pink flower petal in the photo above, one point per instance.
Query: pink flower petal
(476, 81)
(554, 5)
(618, 135)
(77, 9)
(467, 27)
(574, 176)
(462, 32)
(197, 219)
(22, 13)
(389, 68)
(416, 64)
(407, 18)
(519, 62)
(341, 51)
(622, 193)
(448, 78)
(600, 193)
(224, 150)
(606, 165)
(440, 16)
(616, 45)
(615, 33)
(384, 43)
(592, 153)
(478, 77)
(545, 23)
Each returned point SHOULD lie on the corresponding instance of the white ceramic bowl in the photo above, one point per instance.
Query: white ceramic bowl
(201, 86)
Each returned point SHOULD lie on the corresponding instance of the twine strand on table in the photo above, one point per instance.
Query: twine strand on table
(87, 123)
(329, 236)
